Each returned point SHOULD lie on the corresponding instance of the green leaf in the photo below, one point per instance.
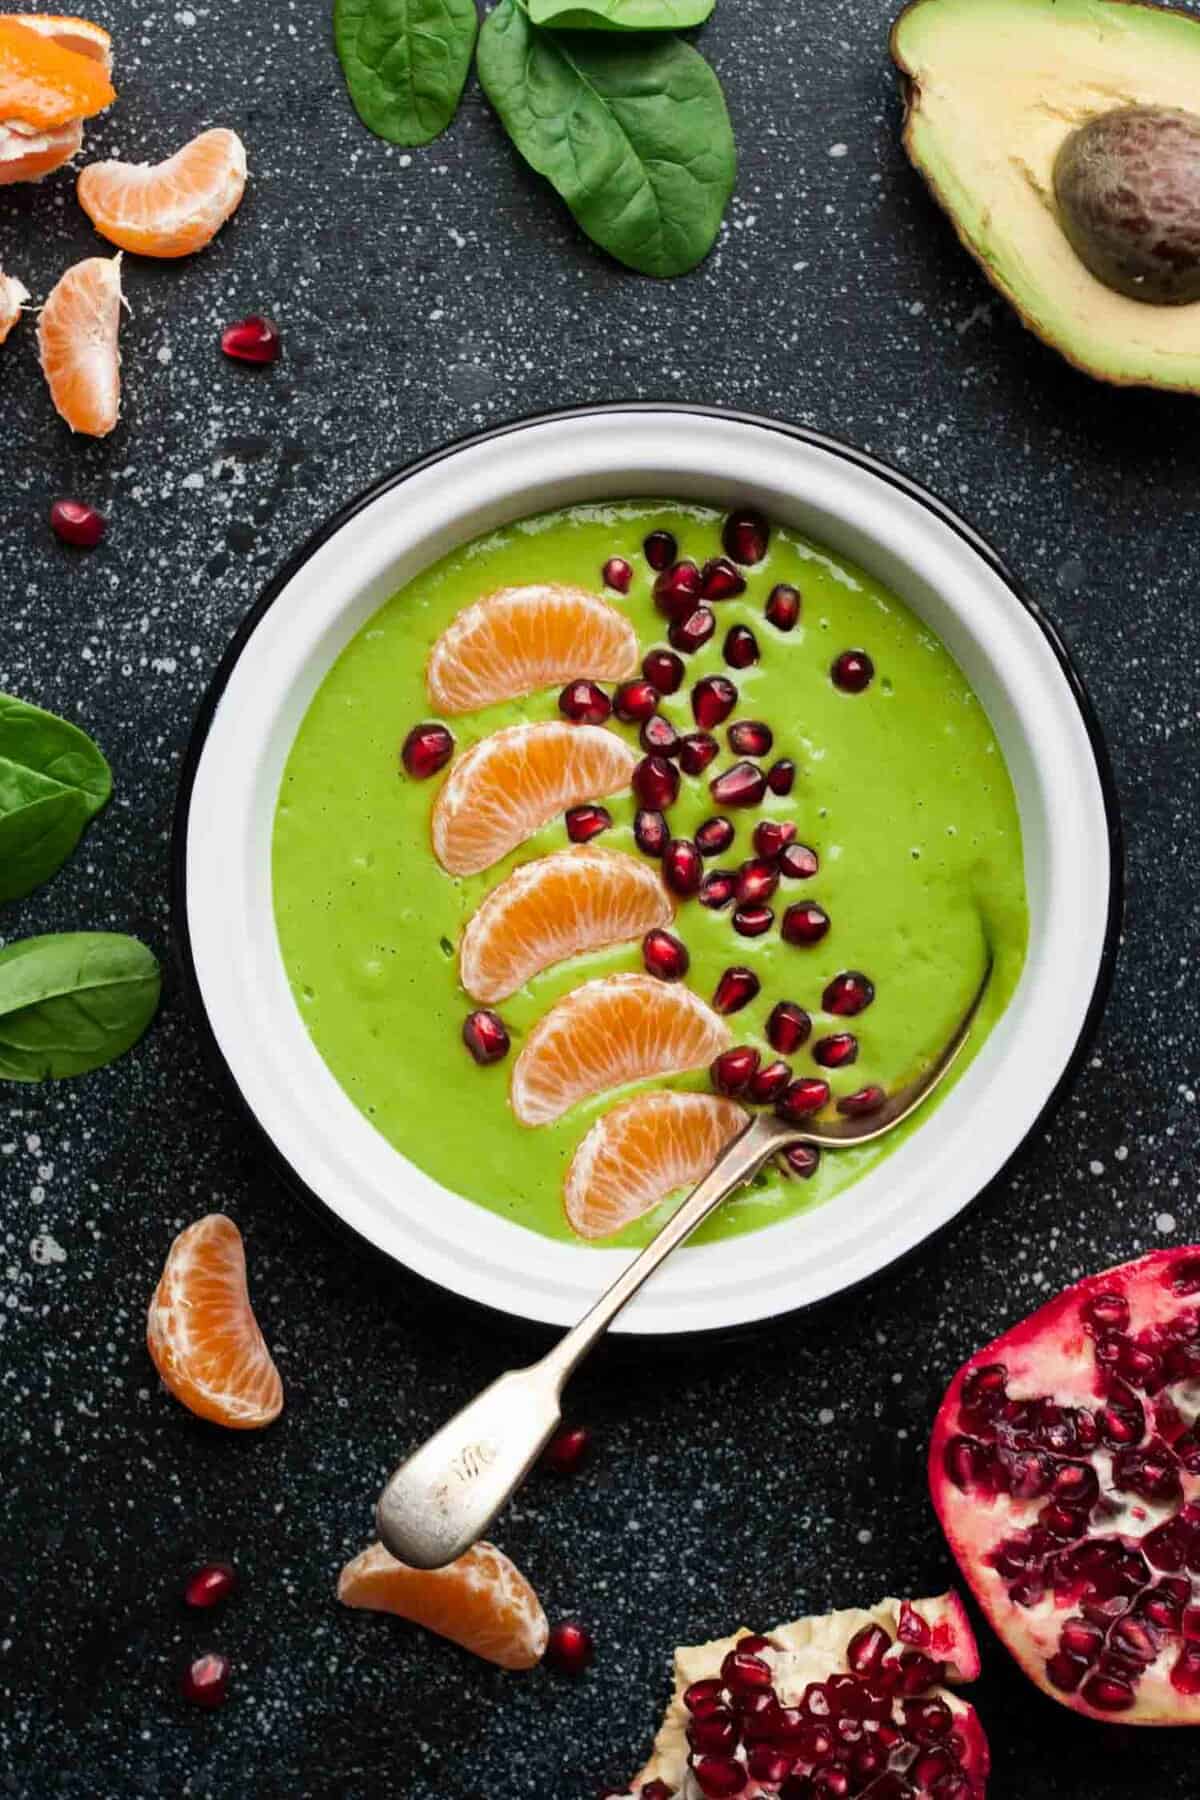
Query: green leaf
(73, 1002)
(405, 62)
(619, 15)
(53, 779)
(633, 132)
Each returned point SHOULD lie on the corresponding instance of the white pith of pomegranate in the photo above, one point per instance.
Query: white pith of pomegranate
(1065, 1469)
(847, 1704)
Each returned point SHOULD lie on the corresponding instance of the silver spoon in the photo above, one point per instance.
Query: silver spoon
(442, 1500)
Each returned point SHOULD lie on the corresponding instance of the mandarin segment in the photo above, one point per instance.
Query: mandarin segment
(44, 83)
(13, 295)
(481, 1602)
(520, 639)
(512, 783)
(170, 208)
(642, 1151)
(27, 153)
(77, 343)
(202, 1334)
(617, 1029)
(554, 907)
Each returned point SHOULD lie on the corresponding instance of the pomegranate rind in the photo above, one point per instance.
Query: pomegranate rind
(554, 907)
(1050, 1353)
(202, 1334)
(641, 1151)
(172, 208)
(521, 639)
(13, 295)
(78, 345)
(819, 1647)
(481, 1602)
(607, 1033)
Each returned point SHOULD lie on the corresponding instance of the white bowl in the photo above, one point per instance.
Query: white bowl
(226, 926)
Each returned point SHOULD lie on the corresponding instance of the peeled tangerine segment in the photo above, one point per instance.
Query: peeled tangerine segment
(169, 208)
(482, 1601)
(13, 295)
(512, 783)
(848, 1646)
(45, 83)
(617, 1029)
(642, 1151)
(27, 153)
(554, 907)
(77, 343)
(202, 1334)
(520, 639)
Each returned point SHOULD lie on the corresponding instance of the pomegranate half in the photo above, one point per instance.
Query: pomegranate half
(1065, 1469)
(848, 1704)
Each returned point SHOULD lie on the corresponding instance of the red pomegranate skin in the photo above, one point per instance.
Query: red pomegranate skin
(1055, 1448)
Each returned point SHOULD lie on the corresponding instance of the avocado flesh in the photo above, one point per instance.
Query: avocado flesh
(994, 88)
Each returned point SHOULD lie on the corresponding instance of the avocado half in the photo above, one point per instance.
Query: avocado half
(992, 89)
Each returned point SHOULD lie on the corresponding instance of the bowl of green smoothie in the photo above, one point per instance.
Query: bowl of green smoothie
(587, 749)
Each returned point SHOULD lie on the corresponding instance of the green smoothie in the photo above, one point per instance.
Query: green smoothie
(901, 789)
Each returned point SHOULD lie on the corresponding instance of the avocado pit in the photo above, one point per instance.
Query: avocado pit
(1127, 185)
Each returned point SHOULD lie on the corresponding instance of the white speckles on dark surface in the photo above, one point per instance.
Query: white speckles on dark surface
(421, 296)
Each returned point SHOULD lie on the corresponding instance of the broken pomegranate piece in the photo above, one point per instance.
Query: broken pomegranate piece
(852, 1703)
(1065, 1469)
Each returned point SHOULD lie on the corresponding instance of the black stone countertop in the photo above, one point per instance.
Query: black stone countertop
(423, 295)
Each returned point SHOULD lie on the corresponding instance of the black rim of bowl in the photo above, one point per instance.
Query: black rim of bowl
(515, 1323)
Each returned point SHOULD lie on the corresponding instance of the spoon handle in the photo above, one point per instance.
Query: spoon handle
(442, 1500)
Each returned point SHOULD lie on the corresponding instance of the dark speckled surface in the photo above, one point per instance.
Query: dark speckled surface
(423, 295)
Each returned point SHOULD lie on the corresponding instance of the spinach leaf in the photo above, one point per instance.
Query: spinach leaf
(619, 15)
(53, 779)
(633, 132)
(73, 1002)
(405, 62)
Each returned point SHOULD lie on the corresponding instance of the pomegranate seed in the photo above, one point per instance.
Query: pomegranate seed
(866, 1100)
(836, 1052)
(713, 699)
(913, 1629)
(718, 1777)
(485, 1035)
(206, 1679)
(852, 671)
(735, 989)
(658, 736)
(210, 1585)
(677, 590)
(717, 889)
(757, 881)
(808, 1095)
(650, 832)
(743, 785)
(618, 574)
(719, 580)
(798, 862)
(750, 737)
(569, 1648)
(635, 701)
(745, 535)
(584, 703)
(769, 1083)
(426, 749)
(653, 1790)
(806, 923)
(663, 670)
(656, 783)
(77, 523)
(788, 1027)
(696, 751)
(802, 1160)
(587, 822)
(714, 836)
(848, 994)
(660, 549)
(766, 1764)
(744, 1671)
(753, 921)
(665, 956)
(703, 1697)
(567, 1450)
(741, 647)
(783, 606)
(716, 1732)
(772, 836)
(691, 634)
(254, 339)
(682, 867)
(733, 1069)
(781, 776)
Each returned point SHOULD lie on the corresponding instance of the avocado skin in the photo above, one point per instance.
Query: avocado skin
(1128, 190)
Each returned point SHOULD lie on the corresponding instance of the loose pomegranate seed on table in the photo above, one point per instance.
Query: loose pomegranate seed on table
(837, 1051)
(569, 1648)
(586, 822)
(209, 1585)
(735, 989)
(660, 549)
(753, 921)
(718, 889)
(848, 994)
(635, 701)
(773, 835)
(486, 1036)
(567, 1450)
(714, 836)
(696, 750)
(656, 783)
(719, 580)
(426, 749)
(781, 776)
(788, 1027)
(798, 862)
(750, 737)
(78, 524)
(742, 785)
(683, 869)
(618, 574)
(852, 671)
(584, 703)
(205, 1680)
(650, 832)
(664, 955)
(713, 699)
(805, 923)
(756, 881)
(254, 339)
(741, 647)
(677, 590)
(659, 736)
(663, 670)
(731, 1071)
(746, 535)
(783, 607)
(691, 634)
